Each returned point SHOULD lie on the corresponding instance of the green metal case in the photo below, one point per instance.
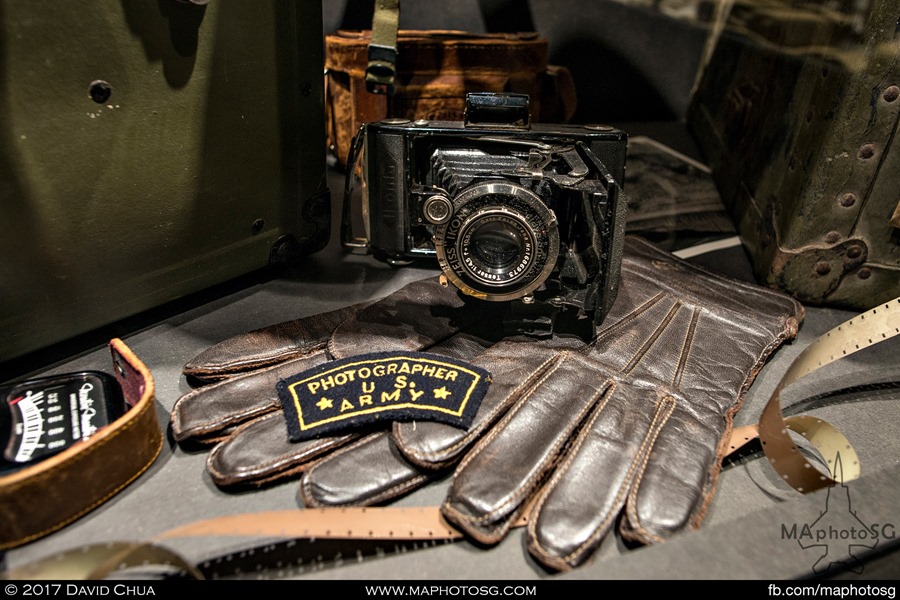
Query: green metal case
(797, 114)
(151, 149)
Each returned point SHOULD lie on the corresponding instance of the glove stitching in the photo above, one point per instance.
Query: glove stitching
(546, 465)
(560, 472)
(627, 319)
(654, 337)
(495, 431)
(298, 331)
(214, 424)
(789, 326)
(211, 425)
(686, 348)
(236, 369)
(224, 479)
(669, 403)
(427, 458)
(731, 283)
(307, 491)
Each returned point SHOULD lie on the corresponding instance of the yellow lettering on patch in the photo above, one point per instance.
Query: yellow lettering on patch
(365, 400)
(346, 405)
(393, 396)
(415, 395)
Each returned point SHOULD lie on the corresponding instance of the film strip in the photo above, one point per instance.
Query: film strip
(773, 430)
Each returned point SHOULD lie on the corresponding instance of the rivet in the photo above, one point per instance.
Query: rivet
(823, 267)
(832, 237)
(854, 252)
(99, 91)
(866, 151)
(847, 200)
(864, 273)
(891, 93)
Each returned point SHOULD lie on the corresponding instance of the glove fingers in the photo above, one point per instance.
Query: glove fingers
(514, 368)
(679, 478)
(368, 471)
(209, 413)
(580, 503)
(260, 451)
(267, 346)
(497, 477)
(373, 470)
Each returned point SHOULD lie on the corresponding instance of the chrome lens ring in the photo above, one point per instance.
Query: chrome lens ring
(501, 243)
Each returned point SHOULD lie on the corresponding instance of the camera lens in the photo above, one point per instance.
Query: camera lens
(501, 243)
(496, 245)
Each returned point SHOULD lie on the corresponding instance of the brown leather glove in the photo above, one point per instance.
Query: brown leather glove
(635, 422)
(241, 413)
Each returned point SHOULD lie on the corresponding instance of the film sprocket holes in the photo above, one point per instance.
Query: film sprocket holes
(532, 214)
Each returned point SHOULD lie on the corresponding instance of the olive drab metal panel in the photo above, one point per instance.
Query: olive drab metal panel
(150, 149)
(797, 114)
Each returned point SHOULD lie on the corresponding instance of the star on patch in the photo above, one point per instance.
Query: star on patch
(324, 403)
(442, 393)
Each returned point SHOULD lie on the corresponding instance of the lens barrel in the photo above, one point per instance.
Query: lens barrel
(501, 242)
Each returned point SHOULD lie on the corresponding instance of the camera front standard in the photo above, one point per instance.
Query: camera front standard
(528, 214)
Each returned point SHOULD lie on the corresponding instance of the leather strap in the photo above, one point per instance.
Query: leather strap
(44, 497)
(382, 67)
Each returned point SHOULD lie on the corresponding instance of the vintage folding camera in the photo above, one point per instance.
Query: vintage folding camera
(526, 213)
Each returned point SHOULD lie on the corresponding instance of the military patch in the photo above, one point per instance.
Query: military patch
(386, 386)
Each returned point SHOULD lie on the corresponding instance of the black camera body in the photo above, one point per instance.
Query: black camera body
(530, 214)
